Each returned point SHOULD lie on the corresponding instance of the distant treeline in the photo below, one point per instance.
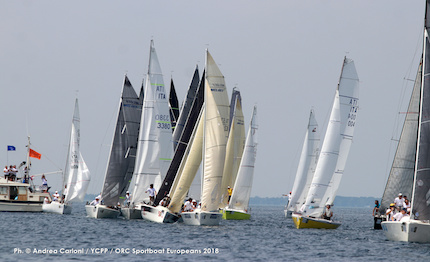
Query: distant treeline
(339, 201)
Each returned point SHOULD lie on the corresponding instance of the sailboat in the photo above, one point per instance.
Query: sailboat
(334, 152)
(160, 211)
(238, 207)
(155, 146)
(306, 168)
(122, 155)
(214, 127)
(76, 174)
(416, 227)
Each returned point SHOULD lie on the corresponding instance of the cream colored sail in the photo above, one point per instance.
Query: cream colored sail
(234, 151)
(188, 169)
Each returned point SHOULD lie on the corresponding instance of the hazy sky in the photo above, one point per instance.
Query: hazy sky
(286, 56)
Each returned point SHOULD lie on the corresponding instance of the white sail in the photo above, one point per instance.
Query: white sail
(307, 165)
(235, 147)
(243, 184)
(214, 154)
(77, 175)
(337, 142)
(155, 147)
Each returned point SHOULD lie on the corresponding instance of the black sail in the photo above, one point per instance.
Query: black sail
(123, 150)
(185, 110)
(173, 105)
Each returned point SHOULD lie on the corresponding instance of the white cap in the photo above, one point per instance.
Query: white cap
(56, 191)
(127, 192)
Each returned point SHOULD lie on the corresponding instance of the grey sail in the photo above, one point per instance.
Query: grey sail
(186, 107)
(123, 151)
(401, 175)
(421, 190)
(235, 96)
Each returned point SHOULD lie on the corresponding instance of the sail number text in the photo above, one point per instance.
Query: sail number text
(352, 112)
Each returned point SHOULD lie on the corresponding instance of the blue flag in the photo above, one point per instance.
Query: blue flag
(11, 148)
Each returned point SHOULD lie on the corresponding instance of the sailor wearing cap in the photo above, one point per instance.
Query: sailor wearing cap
(390, 212)
(398, 201)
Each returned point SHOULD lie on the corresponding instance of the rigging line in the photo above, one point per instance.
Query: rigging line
(100, 150)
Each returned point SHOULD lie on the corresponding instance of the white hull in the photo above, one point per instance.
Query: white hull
(201, 218)
(158, 214)
(131, 212)
(57, 208)
(101, 211)
(407, 230)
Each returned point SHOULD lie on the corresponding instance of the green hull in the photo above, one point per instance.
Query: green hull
(235, 215)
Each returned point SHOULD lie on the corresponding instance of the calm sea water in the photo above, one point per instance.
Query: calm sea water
(268, 236)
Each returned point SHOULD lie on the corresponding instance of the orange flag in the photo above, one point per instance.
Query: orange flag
(34, 154)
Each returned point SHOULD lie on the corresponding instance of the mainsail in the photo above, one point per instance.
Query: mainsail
(216, 120)
(155, 148)
(337, 142)
(307, 165)
(243, 184)
(77, 175)
(122, 157)
(401, 175)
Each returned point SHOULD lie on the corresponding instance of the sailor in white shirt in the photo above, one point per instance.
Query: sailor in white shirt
(399, 216)
(152, 193)
(188, 206)
(55, 196)
(398, 201)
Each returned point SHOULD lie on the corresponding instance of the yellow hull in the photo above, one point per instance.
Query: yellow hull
(308, 222)
(235, 215)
